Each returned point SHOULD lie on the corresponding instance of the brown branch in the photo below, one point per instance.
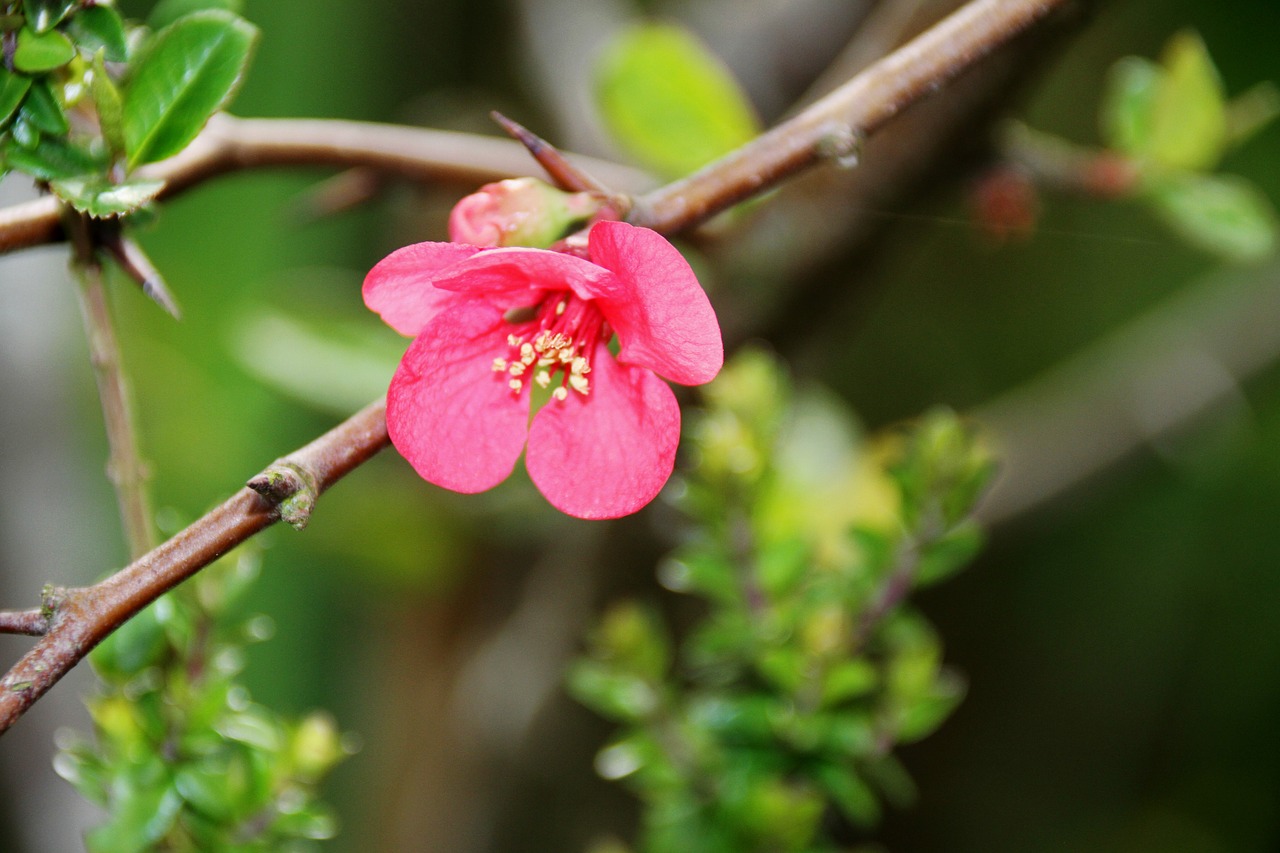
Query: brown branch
(125, 467)
(833, 128)
(33, 623)
(81, 618)
(231, 144)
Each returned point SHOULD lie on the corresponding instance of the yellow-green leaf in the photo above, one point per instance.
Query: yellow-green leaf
(1189, 118)
(669, 101)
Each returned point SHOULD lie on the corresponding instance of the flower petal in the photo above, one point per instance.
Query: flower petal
(400, 286)
(448, 412)
(522, 274)
(662, 316)
(608, 453)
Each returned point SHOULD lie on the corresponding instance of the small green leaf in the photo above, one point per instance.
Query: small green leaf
(51, 159)
(1128, 100)
(669, 101)
(189, 72)
(100, 28)
(100, 198)
(110, 106)
(1252, 110)
(38, 52)
(13, 88)
(168, 11)
(1222, 214)
(1188, 118)
(44, 111)
(943, 558)
(44, 15)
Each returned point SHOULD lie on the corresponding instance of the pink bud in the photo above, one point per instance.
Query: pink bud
(519, 212)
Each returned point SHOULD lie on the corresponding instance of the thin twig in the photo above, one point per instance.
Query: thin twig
(125, 468)
(33, 623)
(81, 618)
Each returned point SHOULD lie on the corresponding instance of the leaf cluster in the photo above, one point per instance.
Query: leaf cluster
(1173, 118)
(771, 725)
(182, 759)
(86, 97)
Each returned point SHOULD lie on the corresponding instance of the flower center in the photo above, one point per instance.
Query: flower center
(561, 338)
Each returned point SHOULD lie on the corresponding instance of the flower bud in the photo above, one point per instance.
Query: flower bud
(519, 212)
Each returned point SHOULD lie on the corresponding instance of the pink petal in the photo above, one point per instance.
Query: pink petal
(522, 274)
(660, 312)
(608, 453)
(448, 412)
(400, 286)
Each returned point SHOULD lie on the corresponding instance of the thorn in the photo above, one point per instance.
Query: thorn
(564, 174)
(138, 266)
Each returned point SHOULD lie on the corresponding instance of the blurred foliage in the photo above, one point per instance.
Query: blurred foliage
(782, 705)
(669, 101)
(182, 759)
(1166, 127)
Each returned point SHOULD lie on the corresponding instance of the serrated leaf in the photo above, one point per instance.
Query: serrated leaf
(669, 101)
(1128, 100)
(1222, 214)
(100, 199)
(1188, 118)
(168, 11)
(13, 88)
(110, 106)
(44, 111)
(44, 15)
(189, 72)
(51, 159)
(100, 28)
(39, 52)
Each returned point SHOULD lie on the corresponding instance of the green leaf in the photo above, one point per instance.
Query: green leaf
(1251, 111)
(943, 558)
(38, 52)
(100, 198)
(669, 101)
(168, 11)
(1189, 115)
(1128, 100)
(44, 15)
(110, 106)
(1222, 214)
(189, 72)
(13, 88)
(100, 28)
(44, 111)
(51, 159)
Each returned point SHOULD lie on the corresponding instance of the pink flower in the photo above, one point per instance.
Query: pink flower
(493, 326)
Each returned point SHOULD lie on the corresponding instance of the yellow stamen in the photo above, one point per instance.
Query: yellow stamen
(579, 383)
(499, 365)
(543, 378)
(560, 393)
(515, 385)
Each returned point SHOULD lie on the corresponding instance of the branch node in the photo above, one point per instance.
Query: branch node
(291, 489)
(841, 142)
